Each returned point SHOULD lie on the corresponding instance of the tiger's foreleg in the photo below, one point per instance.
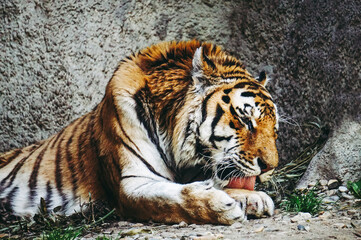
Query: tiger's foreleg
(165, 201)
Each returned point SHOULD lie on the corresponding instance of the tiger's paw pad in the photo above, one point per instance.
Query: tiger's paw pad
(255, 203)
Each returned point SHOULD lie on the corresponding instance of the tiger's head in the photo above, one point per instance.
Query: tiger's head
(236, 121)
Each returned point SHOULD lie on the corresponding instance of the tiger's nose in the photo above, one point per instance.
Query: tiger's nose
(264, 167)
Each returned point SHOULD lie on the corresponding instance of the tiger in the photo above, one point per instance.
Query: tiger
(181, 134)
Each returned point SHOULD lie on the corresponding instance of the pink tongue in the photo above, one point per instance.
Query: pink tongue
(242, 183)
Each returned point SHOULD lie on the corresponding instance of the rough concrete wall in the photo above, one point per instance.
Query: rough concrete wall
(56, 57)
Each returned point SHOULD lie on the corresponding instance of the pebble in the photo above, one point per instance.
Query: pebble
(339, 225)
(168, 235)
(352, 212)
(236, 225)
(342, 189)
(209, 237)
(330, 199)
(323, 182)
(347, 196)
(301, 217)
(183, 224)
(259, 229)
(301, 227)
(138, 225)
(180, 225)
(311, 184)
(333, 183)
(325, 215)
(305, 215)
(331, 192)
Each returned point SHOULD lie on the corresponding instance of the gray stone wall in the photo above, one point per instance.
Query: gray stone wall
(57, 56)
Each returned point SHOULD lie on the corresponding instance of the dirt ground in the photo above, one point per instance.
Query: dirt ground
(339, 222)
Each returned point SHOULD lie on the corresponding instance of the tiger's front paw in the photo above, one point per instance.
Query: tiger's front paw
(255, 203)
(209, 205)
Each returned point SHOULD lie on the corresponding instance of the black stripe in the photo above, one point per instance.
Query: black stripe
(116, 164)
(49, 195)
(82, 147)
(16, 169)
(187, 132)
(121, 126)
(146, 117)
(220, 138)
(7, 160)
(219, 114)
(208, 61)
(204, 106)
(230, 62)
(134, 176)
(226, 91)
(244, 84)
(234, 113)
(60, 134)
(263, 96)
(248, 94)
(34, 174)
(240, 111)
(226, 99)
(150, 167)
(71, 166)
(59, 174)
(243, 164)
(9, 198)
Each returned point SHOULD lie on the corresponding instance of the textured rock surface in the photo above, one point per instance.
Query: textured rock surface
(56, 57)
(339, 159)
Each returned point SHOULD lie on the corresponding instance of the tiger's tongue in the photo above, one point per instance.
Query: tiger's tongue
(242, 183)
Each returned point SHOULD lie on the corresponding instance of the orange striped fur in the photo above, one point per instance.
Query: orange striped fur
(172, 114)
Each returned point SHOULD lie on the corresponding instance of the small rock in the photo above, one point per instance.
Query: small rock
(342, 189)
(323, 182)
(339, 225)
(138, 225)
(168, 235)
(183, 224)
(331, 192)
(347, 196)
(325, 215)
(206, 237)
(199, 231)
(311, 184)
(333, 183)
(296, 219)
(351, 212)
(259, 229)
(123, 223)
(301, 227)
(305, 215)
(236, 225)
(331, 199)
(322, 195)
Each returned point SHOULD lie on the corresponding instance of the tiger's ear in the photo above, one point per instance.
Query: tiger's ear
(262, 78)
(199, 63)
